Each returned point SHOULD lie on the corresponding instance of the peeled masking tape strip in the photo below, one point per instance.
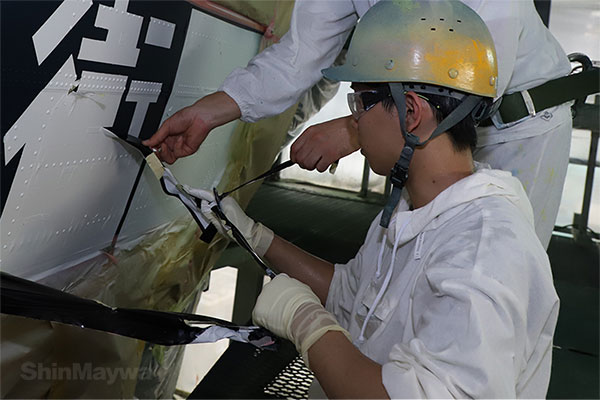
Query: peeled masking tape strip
(29, 299)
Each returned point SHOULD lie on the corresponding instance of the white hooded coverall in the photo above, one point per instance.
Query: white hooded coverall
(465, 306)
(536, 150)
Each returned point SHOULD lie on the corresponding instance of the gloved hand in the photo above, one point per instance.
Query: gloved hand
(290, 309)
(256, 234)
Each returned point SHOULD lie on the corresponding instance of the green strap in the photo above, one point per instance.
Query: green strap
(549, 94)
(399, 173)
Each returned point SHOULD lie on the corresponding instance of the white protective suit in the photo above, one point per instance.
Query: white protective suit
(535, 150)
(465, 306)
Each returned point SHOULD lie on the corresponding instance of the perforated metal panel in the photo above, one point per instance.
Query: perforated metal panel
(293, 382)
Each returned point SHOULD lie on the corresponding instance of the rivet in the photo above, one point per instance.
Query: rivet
(354, 61)
(13, 221)
(492, 80)
(14, 138)
(47, 111)
(53, 164)
(39, 139)
(43, 126)
(60, 165)
(30, 165)
(4, 247)
(22, 168)
(22, 194)
(17, 208)
(26, 182)
(15, 127)
(8, 148)
(452, 73)
(46, 166)
(8, 234)
(68, 163)
(35, 153)
(389, 65)
(51, 98)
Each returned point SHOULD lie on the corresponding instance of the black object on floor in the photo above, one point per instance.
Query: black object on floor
(243, 372)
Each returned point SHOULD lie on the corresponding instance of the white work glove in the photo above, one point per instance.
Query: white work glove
(290, 309)
(257, 235)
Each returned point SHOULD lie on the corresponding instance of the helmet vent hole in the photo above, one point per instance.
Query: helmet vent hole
(423, 87)
(440, 90)
(459, 21)
(451, 30)
(433, 29)
(441, 19)
(423, 19)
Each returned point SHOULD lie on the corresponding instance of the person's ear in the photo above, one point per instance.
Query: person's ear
(415, 107)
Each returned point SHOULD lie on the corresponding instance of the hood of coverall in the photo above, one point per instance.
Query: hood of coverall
(485, 182)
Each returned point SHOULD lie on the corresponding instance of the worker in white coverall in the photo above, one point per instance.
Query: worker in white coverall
(451, 294)
(535, 149)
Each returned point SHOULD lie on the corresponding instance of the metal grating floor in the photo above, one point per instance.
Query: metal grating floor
(291, 383)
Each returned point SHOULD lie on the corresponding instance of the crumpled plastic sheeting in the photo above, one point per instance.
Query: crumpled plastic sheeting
(254, 147)
(214, 333)
(162, 271)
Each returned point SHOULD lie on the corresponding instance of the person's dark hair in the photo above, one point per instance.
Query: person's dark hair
(463, 134)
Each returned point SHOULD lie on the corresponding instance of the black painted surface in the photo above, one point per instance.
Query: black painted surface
(22, 79)
(543, 8)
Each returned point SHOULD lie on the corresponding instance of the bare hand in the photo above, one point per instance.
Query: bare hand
(321, 145)
(182, 133)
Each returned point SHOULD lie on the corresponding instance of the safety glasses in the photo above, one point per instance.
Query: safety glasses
(363, 100)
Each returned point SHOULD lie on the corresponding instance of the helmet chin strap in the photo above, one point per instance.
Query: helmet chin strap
(399, 173)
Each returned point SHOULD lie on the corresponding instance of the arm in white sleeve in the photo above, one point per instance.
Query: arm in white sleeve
(466, 339)
(275, 79)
